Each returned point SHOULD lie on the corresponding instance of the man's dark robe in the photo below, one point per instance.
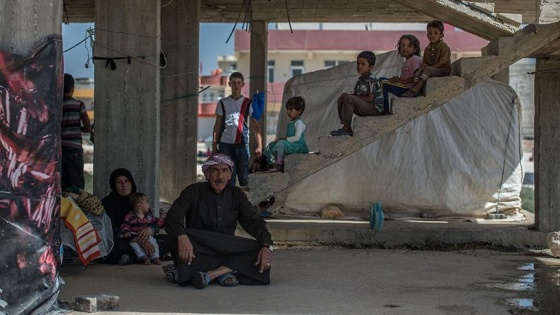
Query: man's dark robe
(209, 220)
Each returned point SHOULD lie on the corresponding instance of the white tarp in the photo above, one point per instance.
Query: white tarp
(463, 158)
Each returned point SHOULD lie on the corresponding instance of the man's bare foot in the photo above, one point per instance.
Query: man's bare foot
(156, 261)
(145, 261)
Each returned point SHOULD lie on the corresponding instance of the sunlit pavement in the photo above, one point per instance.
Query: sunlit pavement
(343, 281)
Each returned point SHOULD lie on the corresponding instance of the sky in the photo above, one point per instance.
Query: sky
(213, 38)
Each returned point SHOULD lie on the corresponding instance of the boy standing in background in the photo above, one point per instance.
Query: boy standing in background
(74, 114)
(231, 130)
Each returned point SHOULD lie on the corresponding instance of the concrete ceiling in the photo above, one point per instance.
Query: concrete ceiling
(488, 19)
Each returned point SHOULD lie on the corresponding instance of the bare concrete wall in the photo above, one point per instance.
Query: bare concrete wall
(127, 118)
(179, 97)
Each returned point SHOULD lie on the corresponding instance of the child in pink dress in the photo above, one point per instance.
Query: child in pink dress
(408, 47)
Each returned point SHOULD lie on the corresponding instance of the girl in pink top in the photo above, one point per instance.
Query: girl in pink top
(408, 47)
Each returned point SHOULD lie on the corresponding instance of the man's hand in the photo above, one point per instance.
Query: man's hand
(145, 234)
(264, 259)
(258, 152)
(394, 79)
(186, 251)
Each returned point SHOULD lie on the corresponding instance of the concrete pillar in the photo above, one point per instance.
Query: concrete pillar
(21, 26)
(547, 130)
(547, 145)
(258, 68)
(127, 99)
(31, 107)
(179, 96)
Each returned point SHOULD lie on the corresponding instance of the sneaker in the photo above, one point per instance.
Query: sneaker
(341, 132)
(125, 260)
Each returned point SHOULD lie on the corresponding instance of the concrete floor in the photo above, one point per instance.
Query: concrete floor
(337, 281)
(409, 267)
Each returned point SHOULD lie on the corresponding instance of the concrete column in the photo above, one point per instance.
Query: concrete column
(21, 26)
(547, 130)
(547, 145)
(127, 99)
(31, 107)
(179, 96)
(258, 75)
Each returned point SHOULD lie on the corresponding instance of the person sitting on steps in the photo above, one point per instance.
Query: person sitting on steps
(436, 61)
(364, 101)
(294, 142)
(408, 47)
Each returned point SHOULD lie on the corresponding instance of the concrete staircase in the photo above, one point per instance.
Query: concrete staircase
(498, 55)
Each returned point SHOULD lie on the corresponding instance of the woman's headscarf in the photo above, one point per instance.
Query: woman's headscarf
(122, 172)
(217, 159)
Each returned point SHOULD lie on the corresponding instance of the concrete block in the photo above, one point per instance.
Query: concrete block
(465, 67)
(96, 303)
(501, 46)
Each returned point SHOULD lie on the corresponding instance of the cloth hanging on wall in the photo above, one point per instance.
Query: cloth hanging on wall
(30, 114)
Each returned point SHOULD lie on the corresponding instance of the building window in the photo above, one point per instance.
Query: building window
(270, 70)
(333, 63)
(297, 67)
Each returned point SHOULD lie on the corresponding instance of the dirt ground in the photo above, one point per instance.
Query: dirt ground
(325, 280)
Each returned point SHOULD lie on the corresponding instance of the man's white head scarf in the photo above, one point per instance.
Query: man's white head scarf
(217, 159)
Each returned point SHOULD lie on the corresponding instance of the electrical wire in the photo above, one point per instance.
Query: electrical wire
(83, 40)
(288, 15)
(236, 21)
(139, 58)
(126, 33)
(65, 8)
(168, 3)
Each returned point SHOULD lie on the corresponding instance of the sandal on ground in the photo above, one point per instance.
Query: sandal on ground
(200, 279)
(171, 272)
(227, 280)
(411, 93)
